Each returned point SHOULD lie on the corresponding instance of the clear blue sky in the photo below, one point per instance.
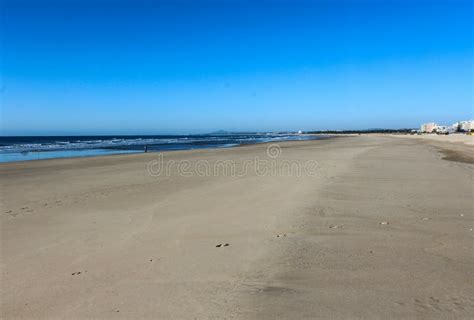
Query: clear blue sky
(143, 67)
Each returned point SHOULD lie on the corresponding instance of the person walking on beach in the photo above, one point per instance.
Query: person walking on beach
(146, 148)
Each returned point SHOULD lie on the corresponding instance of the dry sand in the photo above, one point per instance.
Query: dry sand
(102, 238)
(457, 138)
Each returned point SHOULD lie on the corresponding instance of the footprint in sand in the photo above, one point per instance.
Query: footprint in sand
(220, 245)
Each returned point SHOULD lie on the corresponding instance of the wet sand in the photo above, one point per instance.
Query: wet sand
(380, 228)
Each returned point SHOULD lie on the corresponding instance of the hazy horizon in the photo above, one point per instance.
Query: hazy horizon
(196, 133)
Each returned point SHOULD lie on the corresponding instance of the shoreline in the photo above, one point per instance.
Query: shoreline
(114, 152)
(367, 236)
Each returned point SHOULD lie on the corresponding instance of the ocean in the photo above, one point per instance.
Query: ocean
(47, 147)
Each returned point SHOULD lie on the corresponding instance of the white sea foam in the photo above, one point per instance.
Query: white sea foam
(75, 143)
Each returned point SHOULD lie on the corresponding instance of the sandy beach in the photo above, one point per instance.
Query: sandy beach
(372, 227)
(459, 138)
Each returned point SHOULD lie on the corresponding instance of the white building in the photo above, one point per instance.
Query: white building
(428, 127)
(454, 127)
(466, 126)
(461, 126)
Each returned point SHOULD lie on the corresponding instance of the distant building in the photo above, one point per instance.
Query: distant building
(454, 127)
(429, 127)
(466, 126)
(461, 126)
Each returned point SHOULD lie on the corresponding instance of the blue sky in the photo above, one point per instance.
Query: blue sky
(143, 67)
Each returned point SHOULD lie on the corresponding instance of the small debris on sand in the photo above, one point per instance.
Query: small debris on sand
(335, 227)
(281, 235)
(384, 223)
